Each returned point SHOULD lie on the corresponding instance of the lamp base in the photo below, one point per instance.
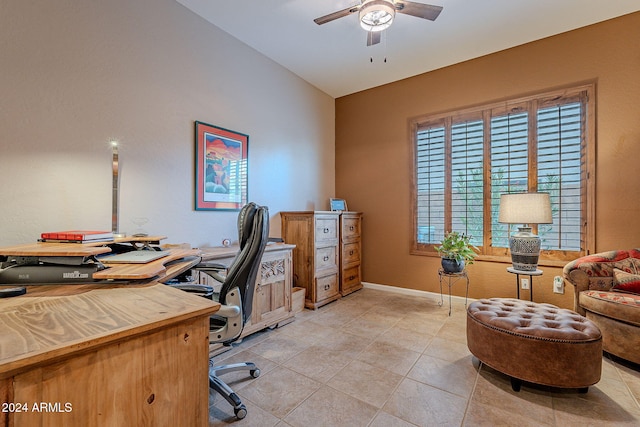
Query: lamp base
(525, 249)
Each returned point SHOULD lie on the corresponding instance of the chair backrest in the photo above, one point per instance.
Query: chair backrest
(245, 222)
(253, 230)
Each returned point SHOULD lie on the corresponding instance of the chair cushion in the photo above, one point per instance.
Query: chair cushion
(625, 281)
(616, 305)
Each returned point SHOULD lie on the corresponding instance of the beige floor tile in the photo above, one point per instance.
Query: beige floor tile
(237, 380)
(387, 420)
(389, 357)
(427, 323)
(446, 349)
(454, 330)
(308, 331)
(631, 377)
(574, 411)
(406, 338)
(424, 405)
(279, 348)
(319, 363)
(365, 328)
(348, 345)
(333, 318)
(377, 358)
(481, 415)
(279, 391)
(456, 377)
(221, 414)
(328, 407)
(368, 383)
(494, 389)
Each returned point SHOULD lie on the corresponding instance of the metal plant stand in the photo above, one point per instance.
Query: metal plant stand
(451, 279)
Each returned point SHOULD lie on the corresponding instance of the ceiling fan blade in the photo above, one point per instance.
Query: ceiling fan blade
(373, 37)
(420, 10)
(335, 15)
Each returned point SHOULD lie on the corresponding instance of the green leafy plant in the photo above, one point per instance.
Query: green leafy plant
(457, 246)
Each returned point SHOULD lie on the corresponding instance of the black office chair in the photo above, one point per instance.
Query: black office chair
(236, 296)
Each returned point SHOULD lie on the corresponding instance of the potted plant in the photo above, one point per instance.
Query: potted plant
(456, 251)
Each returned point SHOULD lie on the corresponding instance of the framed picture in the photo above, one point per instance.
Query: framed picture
(338, 204)
(221, 168)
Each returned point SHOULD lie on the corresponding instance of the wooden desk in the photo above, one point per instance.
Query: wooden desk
(157, 268)
(104, 355)
(272, 297)
(88, 356)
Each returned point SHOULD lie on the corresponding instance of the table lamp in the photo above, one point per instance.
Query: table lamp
(526, 209)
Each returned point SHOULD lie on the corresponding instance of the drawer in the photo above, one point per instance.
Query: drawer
(326, 287)
(350, 228)
(350, 277)
(326, 229)
(326, 257)
(350, 253)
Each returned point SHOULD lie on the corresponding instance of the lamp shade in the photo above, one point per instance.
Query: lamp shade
(525, 208)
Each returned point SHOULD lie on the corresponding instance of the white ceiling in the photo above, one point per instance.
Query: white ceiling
(334, 56)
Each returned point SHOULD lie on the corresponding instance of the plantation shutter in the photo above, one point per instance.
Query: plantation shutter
(509, 166)
(561, 159)
(467, 200)
(430, 184)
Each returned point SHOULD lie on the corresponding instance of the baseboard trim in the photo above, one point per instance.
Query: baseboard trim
(412, 292)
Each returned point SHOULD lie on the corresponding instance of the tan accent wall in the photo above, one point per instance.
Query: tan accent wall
(373, 164)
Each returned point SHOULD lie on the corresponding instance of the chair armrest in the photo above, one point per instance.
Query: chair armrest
(202, 290)
(580, 281)
(213, 270)
(228, 311)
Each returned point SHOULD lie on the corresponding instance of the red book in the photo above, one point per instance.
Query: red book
(78, 235)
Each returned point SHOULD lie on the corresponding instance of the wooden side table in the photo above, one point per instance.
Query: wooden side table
(451, 279)
(524, 273)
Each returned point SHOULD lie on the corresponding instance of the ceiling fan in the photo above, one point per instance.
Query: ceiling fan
(377, 15)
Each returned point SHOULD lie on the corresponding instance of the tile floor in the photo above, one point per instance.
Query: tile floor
(383, 359)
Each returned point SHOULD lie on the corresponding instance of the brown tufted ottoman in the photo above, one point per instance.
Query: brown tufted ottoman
(538, 343)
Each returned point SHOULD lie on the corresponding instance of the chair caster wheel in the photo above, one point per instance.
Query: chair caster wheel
(240, 412)
(255, 373)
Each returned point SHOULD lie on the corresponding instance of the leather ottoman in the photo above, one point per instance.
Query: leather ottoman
(535, 342)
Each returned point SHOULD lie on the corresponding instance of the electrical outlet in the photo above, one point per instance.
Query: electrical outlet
(524, 283)
(558, 285)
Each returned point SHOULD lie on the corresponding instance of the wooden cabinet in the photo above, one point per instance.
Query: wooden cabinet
(272, 297)
(316, 256)
(350, 252)
(327, 257)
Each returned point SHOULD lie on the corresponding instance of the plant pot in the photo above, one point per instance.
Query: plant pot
(452, 265)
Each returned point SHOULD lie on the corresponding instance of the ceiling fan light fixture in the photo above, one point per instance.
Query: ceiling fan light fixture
(377, 15)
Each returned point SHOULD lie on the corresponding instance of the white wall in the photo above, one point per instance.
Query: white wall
(76, 74)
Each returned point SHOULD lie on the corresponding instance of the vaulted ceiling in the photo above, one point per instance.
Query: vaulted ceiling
(335, 57)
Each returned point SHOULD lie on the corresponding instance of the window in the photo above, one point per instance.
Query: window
(465, 159)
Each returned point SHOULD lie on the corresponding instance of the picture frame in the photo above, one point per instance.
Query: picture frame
(338, 204)
(221, 168)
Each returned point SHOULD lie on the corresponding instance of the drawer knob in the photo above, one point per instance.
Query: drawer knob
(326, 258)
(351, 252)
(351, 228)
(325, 230)
(327, 287)
(352, 277)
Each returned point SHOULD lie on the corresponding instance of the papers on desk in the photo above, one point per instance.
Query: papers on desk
(134, 257)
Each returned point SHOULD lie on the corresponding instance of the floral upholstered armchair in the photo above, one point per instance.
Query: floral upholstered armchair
(607, 291)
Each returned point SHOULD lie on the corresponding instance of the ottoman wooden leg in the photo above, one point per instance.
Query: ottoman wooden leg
(515, 384)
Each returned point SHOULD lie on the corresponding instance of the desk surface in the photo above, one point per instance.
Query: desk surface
(115, 271)
(53, 321)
